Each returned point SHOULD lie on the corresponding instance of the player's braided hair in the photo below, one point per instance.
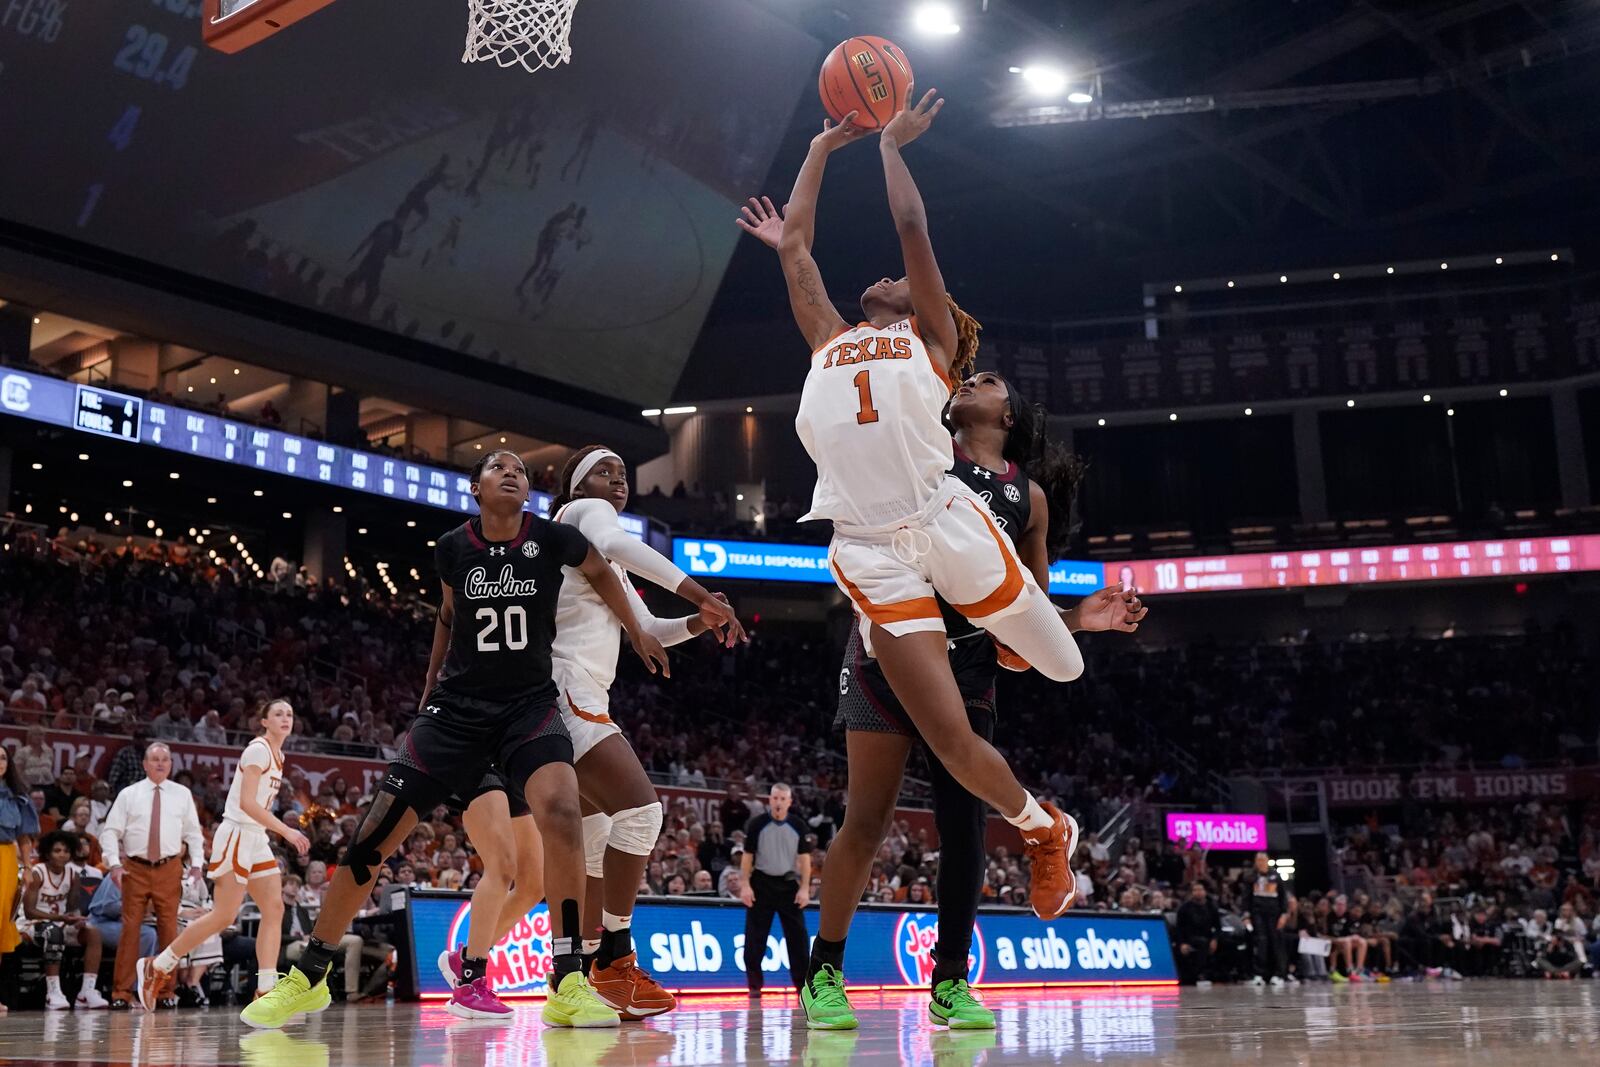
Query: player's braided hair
(967, 328)
(1048, 462)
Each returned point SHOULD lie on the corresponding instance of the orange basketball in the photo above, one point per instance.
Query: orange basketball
(868, 75)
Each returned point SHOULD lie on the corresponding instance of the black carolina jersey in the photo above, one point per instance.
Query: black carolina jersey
(1006, 493)
(505, 602)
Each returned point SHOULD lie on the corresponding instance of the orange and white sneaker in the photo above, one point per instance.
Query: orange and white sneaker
(629, 989)
(1009, 659)
(1049, 852)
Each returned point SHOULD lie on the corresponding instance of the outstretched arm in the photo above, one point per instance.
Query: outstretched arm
(937, 325)
(813, 312)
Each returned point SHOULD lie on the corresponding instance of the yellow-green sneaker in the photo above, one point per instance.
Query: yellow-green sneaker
(576, 1004)
(824, 1000)
(954, 1004)
(293, 995)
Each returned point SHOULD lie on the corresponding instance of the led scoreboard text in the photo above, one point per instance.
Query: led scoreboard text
(1507, 557)
(108, 413)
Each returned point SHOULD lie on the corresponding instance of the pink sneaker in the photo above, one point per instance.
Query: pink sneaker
(450, 966)
(476, 1000)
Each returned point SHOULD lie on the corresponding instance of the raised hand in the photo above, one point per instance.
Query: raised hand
(832, 138)
(913, 122)
(762, 221)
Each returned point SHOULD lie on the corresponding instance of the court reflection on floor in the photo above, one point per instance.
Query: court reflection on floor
(1412, 1025)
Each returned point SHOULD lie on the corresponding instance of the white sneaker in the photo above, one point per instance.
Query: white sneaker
(89, 997)
(1292, 980)
(1257, 980)
(1277, 983)
(56, 1000)
(1204, 983)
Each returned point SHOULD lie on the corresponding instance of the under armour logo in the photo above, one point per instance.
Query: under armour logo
(432, 710)
(497, 550)
(982, 472)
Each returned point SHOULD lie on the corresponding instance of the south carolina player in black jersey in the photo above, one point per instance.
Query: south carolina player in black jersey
(494, 704)
(1028, 481)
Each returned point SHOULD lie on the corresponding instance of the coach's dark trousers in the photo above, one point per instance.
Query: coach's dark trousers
(1271, 958)
(774, 896)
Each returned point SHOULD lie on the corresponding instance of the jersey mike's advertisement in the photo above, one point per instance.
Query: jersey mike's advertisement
(694, 947)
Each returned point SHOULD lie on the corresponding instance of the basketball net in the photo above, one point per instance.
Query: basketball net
(531, 34)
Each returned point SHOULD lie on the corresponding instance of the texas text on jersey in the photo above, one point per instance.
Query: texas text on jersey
(505, 596)
(1006, 493)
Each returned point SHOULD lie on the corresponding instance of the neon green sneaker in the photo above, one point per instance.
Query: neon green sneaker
(576, 1004)
(823, 997)
(293, 995)
(1336, 978)
(953, 1004)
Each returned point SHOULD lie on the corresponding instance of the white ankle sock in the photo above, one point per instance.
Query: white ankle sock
(591, 945)
(1031, 817)
(52, 982)
(615, 922)
(266, 980)
(166, 963)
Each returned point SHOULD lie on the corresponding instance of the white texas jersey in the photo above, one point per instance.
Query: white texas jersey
(53, 889)
(257, 754)
(871, 416)
(588, 635)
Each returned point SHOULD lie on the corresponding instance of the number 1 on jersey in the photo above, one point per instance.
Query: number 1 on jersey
(867, 413)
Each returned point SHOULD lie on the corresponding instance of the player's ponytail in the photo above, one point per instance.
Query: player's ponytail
(564, 491)
(1047, 461)
(967, 327)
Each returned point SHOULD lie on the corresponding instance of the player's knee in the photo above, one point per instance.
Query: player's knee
(556, 810)
(635, 830)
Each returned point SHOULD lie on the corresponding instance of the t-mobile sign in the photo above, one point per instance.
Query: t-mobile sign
(1223, 832)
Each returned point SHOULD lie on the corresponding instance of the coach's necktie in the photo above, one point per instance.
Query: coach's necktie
(152, 849)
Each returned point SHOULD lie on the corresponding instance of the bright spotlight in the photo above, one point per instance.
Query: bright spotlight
(935, 20)
(1044, 81)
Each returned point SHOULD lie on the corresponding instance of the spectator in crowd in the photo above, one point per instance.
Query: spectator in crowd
(36, 759)
(209, 730)
(105, 913)
(196, 904)
(1199, 925)
(127, 766)
(19, 826)
(1348, 962)
(151, 824)
(1570, 925)
(58, 795)
(1487, 936)
(27, 703)
(1558, 958)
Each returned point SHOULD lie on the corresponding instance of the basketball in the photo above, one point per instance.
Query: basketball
(868, 75)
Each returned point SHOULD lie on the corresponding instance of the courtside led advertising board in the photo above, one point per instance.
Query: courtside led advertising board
(699, 947)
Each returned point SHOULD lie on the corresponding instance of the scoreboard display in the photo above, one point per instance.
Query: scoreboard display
(1306, 569)
(108, 413)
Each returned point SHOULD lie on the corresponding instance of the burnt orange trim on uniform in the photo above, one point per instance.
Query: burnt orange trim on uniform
(1009, 589)
(924, 607)
(587, 716)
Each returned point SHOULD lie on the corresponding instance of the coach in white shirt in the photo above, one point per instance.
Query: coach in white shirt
(153, 875)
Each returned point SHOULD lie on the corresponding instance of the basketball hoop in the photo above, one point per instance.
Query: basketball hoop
(531, 34)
